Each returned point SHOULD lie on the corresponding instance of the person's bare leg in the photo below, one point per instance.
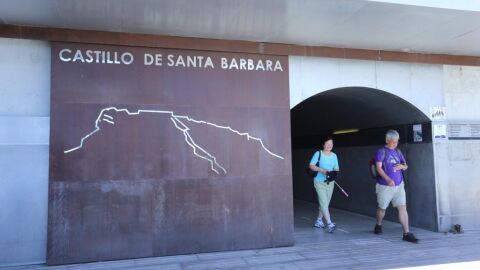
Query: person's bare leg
(320, 215)
(380, 215)
(403, 217)
(326, 215)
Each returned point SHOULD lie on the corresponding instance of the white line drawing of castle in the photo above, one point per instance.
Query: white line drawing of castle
(178, 122)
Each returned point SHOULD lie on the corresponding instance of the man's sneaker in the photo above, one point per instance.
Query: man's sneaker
(319, 223)
(378, 229)
(409, 237)
(331, 227)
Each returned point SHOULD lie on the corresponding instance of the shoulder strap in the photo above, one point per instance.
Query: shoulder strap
(319, 156)
(384, 156)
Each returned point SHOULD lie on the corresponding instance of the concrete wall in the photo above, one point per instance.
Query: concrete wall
(24, 138)
(24, 129)
(419, 84)
(454, 87)
(420, 186)
(458, 162)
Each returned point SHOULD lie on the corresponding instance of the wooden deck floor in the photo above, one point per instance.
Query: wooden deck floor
(352, 246)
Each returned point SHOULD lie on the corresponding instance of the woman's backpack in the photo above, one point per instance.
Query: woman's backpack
(314, 173)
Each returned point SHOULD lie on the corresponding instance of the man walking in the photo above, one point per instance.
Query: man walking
(390, 163)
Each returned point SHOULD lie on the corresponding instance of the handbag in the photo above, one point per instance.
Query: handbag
(331, 176)
(314, 173)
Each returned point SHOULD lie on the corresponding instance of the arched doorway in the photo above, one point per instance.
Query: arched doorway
(370, 112)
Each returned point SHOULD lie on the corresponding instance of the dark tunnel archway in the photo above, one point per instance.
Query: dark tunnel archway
(372, 112)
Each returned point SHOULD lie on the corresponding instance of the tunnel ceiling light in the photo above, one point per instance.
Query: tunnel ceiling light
(345, 131)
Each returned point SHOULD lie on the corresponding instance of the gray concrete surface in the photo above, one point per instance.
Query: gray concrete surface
(24, 138)
(352, 246)
(425, 86)
(25, 98)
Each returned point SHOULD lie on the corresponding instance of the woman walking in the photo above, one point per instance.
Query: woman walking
(324, 161)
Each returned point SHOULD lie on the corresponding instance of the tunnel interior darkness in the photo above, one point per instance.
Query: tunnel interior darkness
(372, 112)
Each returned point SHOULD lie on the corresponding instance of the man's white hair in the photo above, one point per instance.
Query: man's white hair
(392, 135)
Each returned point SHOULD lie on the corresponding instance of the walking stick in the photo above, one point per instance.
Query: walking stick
(344, 192)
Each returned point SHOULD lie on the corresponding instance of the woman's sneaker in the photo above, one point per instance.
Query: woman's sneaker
(319, 223)
(378, 229)
(409, 237)
(331, 227)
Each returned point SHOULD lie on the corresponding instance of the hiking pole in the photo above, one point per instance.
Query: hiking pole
(344, 192)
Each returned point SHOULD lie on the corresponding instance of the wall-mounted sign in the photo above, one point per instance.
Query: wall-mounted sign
(439, 131)
(475, 130)
(172, 59)
(417, 133)
(459, 131)
(437, 113)
(159, 152)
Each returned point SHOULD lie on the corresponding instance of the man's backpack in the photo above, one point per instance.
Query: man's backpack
(373, 166)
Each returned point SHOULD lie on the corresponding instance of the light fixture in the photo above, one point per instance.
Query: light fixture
(345, 131)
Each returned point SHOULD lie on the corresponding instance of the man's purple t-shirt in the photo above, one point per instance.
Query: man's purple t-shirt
(390, 157)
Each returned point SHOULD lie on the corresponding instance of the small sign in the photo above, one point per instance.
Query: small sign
(417, 133)
(440, 131)
(437, 113)
(475, 130)
(461, 131)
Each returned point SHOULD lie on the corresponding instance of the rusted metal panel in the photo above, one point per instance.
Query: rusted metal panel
(159, 160)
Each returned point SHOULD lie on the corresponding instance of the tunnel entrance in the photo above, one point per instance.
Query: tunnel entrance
(367, 113)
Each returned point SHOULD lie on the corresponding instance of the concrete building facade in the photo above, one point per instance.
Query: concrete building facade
(431, 99)
(26, 107)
